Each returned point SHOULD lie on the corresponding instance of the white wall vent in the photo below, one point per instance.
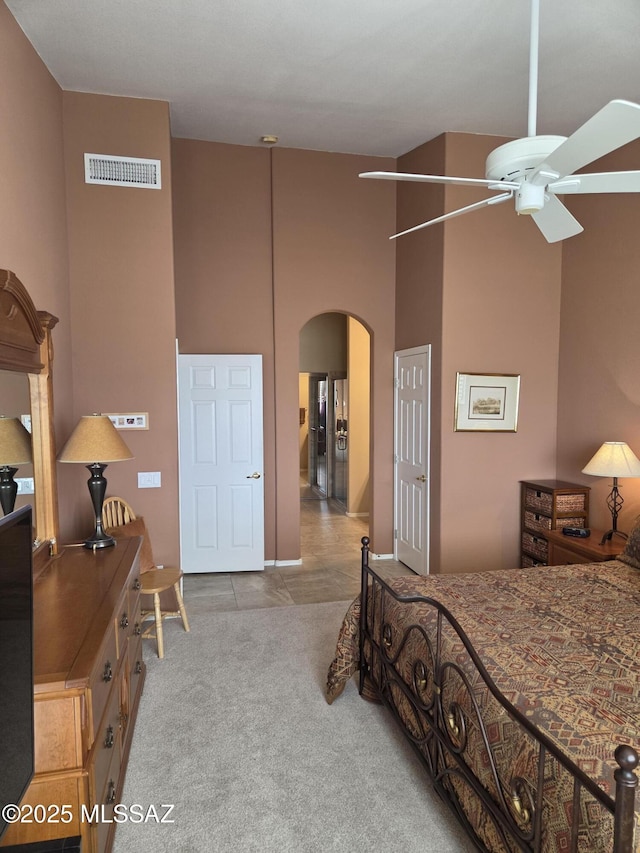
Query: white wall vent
(122, 171)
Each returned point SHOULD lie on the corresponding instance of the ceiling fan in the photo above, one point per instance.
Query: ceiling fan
(535, 170)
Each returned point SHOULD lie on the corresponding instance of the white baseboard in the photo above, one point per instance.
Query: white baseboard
(269, 563)
(357, 514)
(288, 562)
(381, 556)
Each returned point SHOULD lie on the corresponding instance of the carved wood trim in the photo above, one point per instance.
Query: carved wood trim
(26, 347)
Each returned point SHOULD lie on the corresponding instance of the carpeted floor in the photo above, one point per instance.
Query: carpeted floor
(234, 731)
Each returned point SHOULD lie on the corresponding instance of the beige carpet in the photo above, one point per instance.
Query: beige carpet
(235, 733)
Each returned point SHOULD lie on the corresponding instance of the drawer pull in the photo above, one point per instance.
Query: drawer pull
(107, 675)
(137, 629)
(111, 793)
(136, 584)
(138, 667)
(109, 738)
(124, 622)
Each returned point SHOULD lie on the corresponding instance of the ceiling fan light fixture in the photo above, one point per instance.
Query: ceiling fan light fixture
(529, 198)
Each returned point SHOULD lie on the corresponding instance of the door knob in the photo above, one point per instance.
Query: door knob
(254, 476)
(422, 479)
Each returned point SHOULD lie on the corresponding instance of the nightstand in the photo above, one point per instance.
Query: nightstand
(573, 549)
(548, 505)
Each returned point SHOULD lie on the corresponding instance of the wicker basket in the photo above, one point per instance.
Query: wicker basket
(570, 522)
(571, 503)
(539, 500)
(528, 562)
(536, 522)
(535, 545)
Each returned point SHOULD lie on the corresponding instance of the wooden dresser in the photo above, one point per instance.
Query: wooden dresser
(89, 675)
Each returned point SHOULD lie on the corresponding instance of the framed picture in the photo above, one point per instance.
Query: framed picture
(487, 402)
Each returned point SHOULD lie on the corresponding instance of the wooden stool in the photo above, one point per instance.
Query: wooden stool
(121, 522)
(153, 583)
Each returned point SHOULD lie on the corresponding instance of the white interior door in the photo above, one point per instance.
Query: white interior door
(412, 424)
(221, 459)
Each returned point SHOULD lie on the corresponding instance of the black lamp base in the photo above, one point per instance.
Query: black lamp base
(97, 487)
(8, 488)
(608, 536)
(99, 541)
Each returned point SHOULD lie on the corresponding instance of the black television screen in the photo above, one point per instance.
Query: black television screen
(16, 657)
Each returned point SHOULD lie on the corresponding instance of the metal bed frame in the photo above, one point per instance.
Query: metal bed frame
(438, 731)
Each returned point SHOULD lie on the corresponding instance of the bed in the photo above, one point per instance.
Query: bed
(519, 691)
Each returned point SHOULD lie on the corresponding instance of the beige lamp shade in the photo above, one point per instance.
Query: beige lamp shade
(95, 439)
(15, 442)
(613, 459)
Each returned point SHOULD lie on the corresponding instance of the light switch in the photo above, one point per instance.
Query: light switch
(149, 479)
(25, 485)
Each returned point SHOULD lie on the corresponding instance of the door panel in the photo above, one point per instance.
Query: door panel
(221, 460)
(412, 382)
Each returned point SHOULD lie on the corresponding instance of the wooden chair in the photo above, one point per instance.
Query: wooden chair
(121, 521)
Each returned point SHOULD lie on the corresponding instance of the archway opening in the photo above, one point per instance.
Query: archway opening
(334, 400)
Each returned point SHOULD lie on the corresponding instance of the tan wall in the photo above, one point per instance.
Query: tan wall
(359, 408)
(419, 280)
(501, 314)
(323, 344)
(122, 298)
(224, 298)
(330, 254)
(33, 229)
(599, 382)
(498, 277)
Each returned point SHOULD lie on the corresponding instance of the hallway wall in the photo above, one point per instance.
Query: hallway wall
(264, 241)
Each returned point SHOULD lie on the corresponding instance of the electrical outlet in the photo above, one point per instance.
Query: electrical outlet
(149, 479)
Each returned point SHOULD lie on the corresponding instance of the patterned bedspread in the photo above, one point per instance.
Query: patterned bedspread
(562, 643)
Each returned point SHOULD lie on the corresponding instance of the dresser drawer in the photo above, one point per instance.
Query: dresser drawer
(103, 677)
(107, 744)
(136, 667)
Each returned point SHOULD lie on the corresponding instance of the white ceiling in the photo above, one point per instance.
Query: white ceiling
(363, 76)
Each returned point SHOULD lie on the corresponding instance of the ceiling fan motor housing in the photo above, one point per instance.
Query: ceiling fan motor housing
(513, 160)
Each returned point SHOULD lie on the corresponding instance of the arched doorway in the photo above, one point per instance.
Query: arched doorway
(334, 399)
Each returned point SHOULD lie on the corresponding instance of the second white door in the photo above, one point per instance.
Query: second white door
(412, 424)
(221, 459)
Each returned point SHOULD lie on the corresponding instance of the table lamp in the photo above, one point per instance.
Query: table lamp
(15, 449)
(614, 459)
(95, 437)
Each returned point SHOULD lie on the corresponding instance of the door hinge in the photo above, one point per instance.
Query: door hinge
(395, 533)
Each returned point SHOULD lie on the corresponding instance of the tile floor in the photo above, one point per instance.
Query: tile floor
(330, 570)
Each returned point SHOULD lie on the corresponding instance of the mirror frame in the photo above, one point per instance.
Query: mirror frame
(25, 346)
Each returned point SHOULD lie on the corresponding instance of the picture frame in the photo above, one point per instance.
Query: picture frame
(487, 402)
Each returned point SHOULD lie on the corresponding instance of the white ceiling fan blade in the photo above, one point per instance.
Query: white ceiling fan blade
(555, 221)
(598, 182)
(614, 125)
(497, 199)
(439, 179)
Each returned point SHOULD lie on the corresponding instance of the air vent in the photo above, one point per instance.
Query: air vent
(122, 171)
